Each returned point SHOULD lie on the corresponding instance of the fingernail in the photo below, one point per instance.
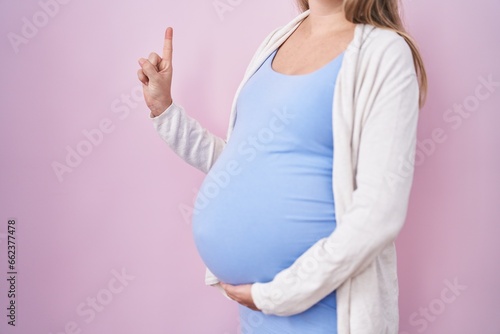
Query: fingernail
(141, 60)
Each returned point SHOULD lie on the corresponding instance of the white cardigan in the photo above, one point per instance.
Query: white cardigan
(375, 115)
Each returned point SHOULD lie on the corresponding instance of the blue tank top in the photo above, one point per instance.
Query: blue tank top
(268, 197)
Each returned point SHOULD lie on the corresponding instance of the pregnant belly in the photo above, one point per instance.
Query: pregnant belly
(249, 226)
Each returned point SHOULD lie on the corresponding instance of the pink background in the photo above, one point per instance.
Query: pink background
(120, 208)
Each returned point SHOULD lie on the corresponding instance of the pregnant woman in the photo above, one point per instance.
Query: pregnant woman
(297, 216)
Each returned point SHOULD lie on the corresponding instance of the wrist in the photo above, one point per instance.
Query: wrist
(157, 111)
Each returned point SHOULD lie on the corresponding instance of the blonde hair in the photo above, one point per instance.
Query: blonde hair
(383, 14)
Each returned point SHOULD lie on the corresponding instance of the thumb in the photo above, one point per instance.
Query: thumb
(148, 68)
(226, 287)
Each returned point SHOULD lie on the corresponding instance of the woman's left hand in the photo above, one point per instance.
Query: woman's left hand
(240, 293)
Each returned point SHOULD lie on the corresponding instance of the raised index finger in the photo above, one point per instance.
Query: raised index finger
(167, 46)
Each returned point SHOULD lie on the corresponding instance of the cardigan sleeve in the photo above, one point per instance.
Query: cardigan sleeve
(188, 138)
(380, 198)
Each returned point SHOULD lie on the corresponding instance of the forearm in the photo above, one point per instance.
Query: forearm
(369, 225)
(188, 138)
